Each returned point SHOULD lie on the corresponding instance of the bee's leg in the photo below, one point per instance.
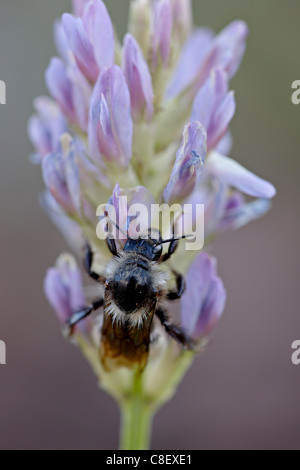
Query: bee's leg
(88, 263)
(111, 244)
(180, 282)
(171, 250)
(82, 314)
(173, 330)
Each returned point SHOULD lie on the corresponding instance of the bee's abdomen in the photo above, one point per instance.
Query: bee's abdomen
(122, 345)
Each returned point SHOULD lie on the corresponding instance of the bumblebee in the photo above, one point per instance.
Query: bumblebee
(134, 288)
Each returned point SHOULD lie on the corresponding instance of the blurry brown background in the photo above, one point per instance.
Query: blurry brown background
(244, 392)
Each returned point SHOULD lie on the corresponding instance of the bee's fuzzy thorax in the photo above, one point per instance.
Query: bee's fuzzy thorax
(160, 278)
(137, 267)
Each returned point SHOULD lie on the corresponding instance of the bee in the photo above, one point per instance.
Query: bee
(134, 289)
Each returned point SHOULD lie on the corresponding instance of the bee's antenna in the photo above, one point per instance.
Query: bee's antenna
(173, 239)
(116, 225)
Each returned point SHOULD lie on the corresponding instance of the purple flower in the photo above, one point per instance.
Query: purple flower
(238, 212)
(182, 17)
(61, 177)
(61, 41)
(71, 90)
(225, 209)
(226, 51)
(70, 230)
(214, 107)
(107, 144)
(202, 54)
(79, 6)
(225, 145)
(46, 127)
(190, 61)
(91, 38)
(231, 173)
(138, 78)
(162, 32)
(111, 127)
(63, 288)
(204, 300)
(127, 204)
(188, 165)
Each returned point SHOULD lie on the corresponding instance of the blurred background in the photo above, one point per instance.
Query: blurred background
(244, 392)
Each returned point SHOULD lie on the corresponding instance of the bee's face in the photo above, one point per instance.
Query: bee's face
(132, 287)
(146, 247)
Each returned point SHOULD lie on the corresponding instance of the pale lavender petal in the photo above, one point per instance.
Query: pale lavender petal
(102, 129)
(80, 45)
(138, 195)
(182, 17)
(60, 86)
(111, 124)
(230, 46)
(121, 207)
(57, 295)
(79, 6)
(46, 128)
(212, 309)
(39, 135)
(138, 77)
(226, 51)
(162, 31)
(100, 30)
(184, 181)
(225, 145)
(190, 61)
(189, 163)
(61, 177)
(94, 132)
(233, 174)
(198, 281)
(61, 41)
(203, 302)
(81, 96)
(90, 173)
(214, 107)
(54, 179)
(52, 118)
(70, 230)
(234, 201)
(64, 289)
(141, 195)
(221, 119)
(71, 171)
(209, 96)
(72, 280)
(239, 213)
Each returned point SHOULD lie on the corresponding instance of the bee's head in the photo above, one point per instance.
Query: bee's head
(149, 248)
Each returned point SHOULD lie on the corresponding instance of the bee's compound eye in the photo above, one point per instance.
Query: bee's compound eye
(157, 249)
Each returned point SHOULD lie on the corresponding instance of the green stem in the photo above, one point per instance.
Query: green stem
(136, 420)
